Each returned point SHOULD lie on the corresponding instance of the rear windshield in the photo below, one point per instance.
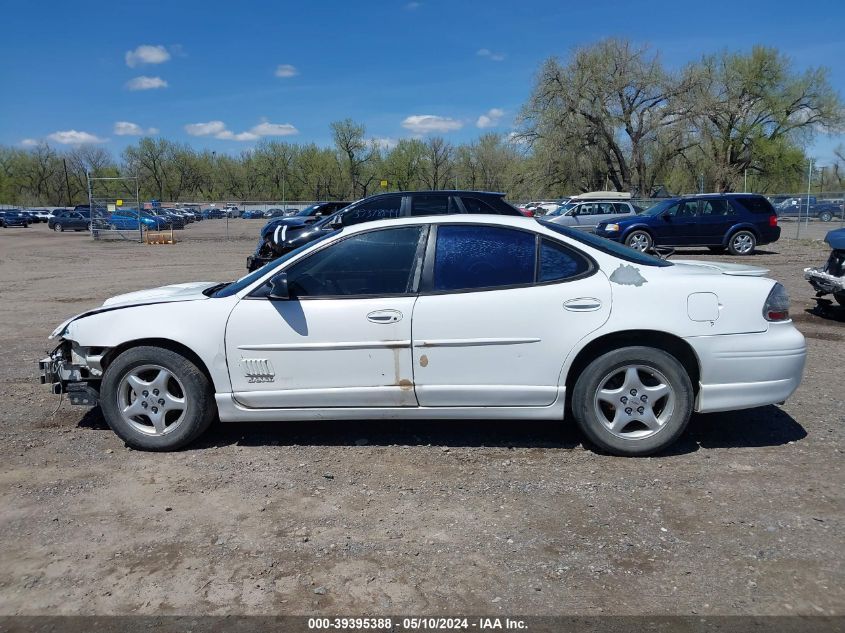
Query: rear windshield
(606, 246)
(755, 204)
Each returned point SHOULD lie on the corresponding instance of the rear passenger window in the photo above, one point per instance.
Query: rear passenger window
(715, 207)
(470, 257)
(433, 205)
(558, 262)
(474, 205)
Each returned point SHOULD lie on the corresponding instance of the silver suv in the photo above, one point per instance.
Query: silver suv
(586, 214)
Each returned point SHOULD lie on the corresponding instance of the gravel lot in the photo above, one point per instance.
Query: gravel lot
(745, 516)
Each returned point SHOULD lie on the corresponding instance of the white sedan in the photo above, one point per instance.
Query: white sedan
(482, 317)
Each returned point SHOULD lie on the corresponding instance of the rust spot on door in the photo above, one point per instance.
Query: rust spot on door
(405, 384)
(423, 361)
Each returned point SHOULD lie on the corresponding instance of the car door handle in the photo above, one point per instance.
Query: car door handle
(384, 316)
(582, 304)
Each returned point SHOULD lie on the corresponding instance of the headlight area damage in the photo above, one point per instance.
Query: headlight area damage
(74, 370)
(830, 278)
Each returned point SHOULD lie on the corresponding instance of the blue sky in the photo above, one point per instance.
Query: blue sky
(223, 74)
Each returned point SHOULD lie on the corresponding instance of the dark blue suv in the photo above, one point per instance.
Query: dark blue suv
(735, 222)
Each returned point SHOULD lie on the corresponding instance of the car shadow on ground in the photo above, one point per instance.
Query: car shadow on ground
(752, 428)
(827, 312)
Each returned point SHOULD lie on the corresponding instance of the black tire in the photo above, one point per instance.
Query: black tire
(58, 228)
(200, 409)
(590, 381)
(639, 240)
(742, 243)
(840, 298)
(716, 249)
(825, 216)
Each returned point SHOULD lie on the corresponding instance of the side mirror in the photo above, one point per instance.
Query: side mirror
(319, 214)
(666, 217)
(279, 287)
(337, 221)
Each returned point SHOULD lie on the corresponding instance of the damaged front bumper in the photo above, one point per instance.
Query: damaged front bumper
(824, 282)
(75, 371)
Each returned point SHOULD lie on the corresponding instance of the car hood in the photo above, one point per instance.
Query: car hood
(725, 268)
(836, 239)
(295, 222)
(164, 294)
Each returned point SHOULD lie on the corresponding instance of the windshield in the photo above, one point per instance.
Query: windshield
(560, 210)
(659, 208)
(308, 211)
(606, 246)
(236, 286)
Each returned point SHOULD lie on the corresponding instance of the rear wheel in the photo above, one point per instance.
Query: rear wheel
(156, 399)
(639, 240)
(825, 216)
(633, 401)
(742, 243)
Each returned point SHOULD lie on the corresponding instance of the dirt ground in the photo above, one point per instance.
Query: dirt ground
(745, 516)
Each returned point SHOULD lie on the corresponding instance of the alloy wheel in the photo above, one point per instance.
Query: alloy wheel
(151, 400)
(634, 401)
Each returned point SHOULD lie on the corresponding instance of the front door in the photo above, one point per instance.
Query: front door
(678, 224)
(496, 321)
(343, 338)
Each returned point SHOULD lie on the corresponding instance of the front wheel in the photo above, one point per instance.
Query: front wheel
(58, 228)
(742, 243)
(639, 240)
(633, 401)
(156, 399)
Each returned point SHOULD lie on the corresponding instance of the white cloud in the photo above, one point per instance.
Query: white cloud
(486, 52)
(426, 123)
(205, 129)
(75, 137)
(491, 118)
(126, 128)
(29, 142)
(286, 70)
(146, 83)
(147, 54)
(218, 129)
(385, 142)
(266, 128)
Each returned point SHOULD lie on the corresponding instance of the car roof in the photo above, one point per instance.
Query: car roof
(442, 191)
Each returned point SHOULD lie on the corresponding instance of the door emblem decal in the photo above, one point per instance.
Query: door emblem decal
(258, 370)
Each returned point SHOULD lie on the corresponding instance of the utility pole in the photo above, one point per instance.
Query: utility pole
(67, 182)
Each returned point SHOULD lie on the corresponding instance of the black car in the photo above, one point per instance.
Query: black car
(13, 217)
(71, 221)
(283, 235)
(176, 220)
(735, 222)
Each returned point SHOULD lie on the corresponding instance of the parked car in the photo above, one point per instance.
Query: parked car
(13, 217)
(830, 278)
(176, 220)
(231, 210)
(425, 317)
(70, 221)
(131, 220)
(796, 207)
(39, 215)
(735, 222)
(252, 214)
(212, 213)
(585, 212)
(288, 235)
(275, 213)
(275, 231)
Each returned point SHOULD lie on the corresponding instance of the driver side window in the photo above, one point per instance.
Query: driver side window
(373, 263)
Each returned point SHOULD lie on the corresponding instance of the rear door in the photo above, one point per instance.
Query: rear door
(501, 309)
(715, 217)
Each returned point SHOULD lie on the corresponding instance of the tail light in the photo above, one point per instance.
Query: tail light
(776, 307)
(773, 221)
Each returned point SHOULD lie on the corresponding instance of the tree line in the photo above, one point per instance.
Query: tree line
(610, 116)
